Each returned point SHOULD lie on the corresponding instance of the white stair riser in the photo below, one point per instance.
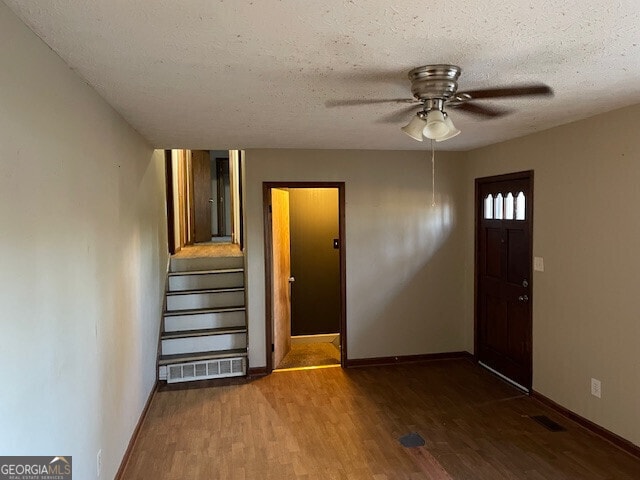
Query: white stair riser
(205, 263)
(204, 344)
(205, 300)
(210, 280)
(176, 323)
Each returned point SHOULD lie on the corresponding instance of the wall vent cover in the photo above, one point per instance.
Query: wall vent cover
(225, 367)
(547, 423)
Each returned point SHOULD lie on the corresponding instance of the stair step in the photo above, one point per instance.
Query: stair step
(202, 311)
(206, 280)
(204, 318)
(205, 298)
(203, 332)
(205, 263)
(201, 356)
(205, 290)
(207, 272)
(203, 340)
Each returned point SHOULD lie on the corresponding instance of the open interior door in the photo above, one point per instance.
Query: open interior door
(201, 194)
(281, 275)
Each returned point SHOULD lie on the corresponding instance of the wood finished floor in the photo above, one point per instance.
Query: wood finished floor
(345, 424)
(209, 250)
(311, 355)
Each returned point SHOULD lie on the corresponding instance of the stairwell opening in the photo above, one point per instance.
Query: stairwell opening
(203, 331)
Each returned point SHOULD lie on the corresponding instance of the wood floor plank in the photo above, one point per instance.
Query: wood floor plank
(337, 424)
(209, 250)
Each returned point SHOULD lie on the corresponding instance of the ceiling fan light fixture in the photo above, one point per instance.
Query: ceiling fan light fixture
(415, 127)
(453, 131)
(435, 127)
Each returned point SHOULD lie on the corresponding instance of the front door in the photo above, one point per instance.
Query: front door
(504, 210)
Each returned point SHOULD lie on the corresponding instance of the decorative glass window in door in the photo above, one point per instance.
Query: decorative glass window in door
(488, 207)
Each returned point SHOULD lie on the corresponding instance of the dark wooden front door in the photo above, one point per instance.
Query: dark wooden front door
(504, 212)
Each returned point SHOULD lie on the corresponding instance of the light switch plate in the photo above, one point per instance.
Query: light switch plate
(538, 264)
(596, 388)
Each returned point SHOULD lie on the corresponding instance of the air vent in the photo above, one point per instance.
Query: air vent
(547, 423)
(226, 367)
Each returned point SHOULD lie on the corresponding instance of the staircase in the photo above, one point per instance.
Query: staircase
(204, 332)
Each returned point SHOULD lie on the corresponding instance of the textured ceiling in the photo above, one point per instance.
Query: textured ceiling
(257, 73)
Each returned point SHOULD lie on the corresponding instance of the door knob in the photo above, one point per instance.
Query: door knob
(211, 200)
(523, 298)
(292, 279)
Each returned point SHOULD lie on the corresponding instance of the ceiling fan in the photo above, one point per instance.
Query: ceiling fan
(435, 88)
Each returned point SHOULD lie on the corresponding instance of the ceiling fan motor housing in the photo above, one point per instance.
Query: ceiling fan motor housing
(431, 82)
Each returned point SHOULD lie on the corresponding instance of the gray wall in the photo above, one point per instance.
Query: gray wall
(82, 264)
(586, 305)
(405, 262)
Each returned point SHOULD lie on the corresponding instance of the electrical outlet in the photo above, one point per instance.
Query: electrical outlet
(99, 462)
(596, 388)
(538, 264)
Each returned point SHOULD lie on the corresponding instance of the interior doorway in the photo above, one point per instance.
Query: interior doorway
(504, 238)
(204, 197)
(305, 274)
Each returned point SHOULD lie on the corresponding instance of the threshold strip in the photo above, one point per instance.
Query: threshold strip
(506, 379)
(293, 369)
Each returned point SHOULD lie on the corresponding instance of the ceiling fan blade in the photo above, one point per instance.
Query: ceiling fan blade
(481, 110)
(402, 115)
(521, 91)
(354, 102)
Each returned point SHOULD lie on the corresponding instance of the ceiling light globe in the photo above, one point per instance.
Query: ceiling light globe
(453, 131)
(436, 126)
(415, 127)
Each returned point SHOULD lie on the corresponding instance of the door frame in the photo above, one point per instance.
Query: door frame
(479, 206)
(171, 226)
(268, 260)
(221, 206)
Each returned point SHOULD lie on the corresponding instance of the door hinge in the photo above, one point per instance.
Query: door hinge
(270, 209)
(273, 348)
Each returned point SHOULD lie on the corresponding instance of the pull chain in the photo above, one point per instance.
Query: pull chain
(433, 175)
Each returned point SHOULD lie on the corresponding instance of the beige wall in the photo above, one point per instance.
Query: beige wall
(404, 257)
(82, 262)
(586, 305)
